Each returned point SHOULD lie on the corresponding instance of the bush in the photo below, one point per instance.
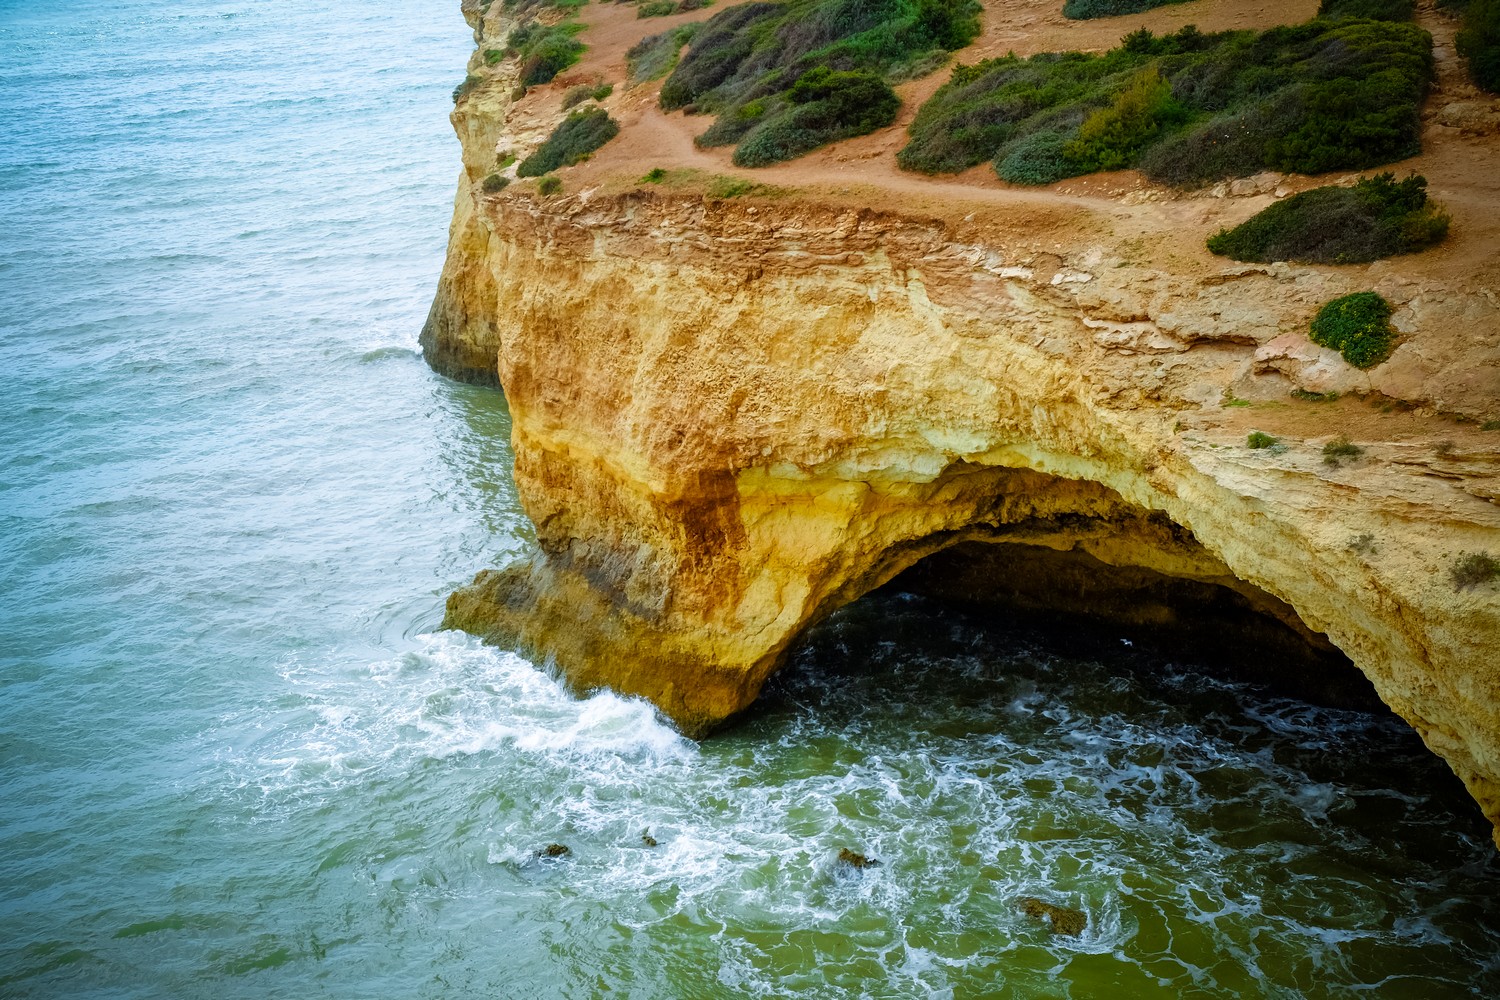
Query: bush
(825, 106)
(586, 91)
(462, 90)
(494, 183)
(1479, 42)
(1037, 159)
(549, 185)
(544, 50)
(1110, 138)
(1259, 439)
(1308, 98)
(656, 8)
(577, 95)
(1080, 10)
(573, 140)
(1374, 10)
(654, 57)
(747, 60)
(654, 176)
(1358, 327)
(1340, 450)
(1377, 217)
(1472, 569)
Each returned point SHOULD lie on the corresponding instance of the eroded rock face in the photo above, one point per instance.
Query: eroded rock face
(732, 417)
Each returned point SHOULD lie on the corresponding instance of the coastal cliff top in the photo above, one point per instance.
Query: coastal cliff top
(1158, 225)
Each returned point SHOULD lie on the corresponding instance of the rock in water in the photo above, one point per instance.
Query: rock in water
(854, 860)
(554, 851)
(1062, 919)
(647, 839)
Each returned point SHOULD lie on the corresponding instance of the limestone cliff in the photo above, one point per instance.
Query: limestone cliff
(734, 415)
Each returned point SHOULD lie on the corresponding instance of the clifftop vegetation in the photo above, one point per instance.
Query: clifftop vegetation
(1377, 217)
(1187, 108)
(785, 78)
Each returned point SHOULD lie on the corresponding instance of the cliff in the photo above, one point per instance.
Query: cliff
(733, 415)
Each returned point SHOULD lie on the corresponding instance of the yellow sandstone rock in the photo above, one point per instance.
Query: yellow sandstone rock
(732, 417)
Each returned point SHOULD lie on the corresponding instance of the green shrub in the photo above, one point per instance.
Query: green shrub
(549, 185)
(577, 95)
(1375, 10)
(825, 106)
(504, 159)
(747, 59)
(544, 50)
(654, 176)
(720, 186)
(586, 91)
(1377, 217)
(1340, 450)
(1308, 98)
(493, 57)
(1490, 425)
(656, 8)
(1358, 327)
(1080, 10)
(1258, 440)
(1110, 138)
(494, 183)
(654, 57)
(1039, 158)
(1314, 397)
(1479, 42)
(1472, 569)
(573, 140)
(462, 90)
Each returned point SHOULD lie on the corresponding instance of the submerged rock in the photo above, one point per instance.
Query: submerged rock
(554, 851)
(853, 860)
(1063, 919)
(647, 839)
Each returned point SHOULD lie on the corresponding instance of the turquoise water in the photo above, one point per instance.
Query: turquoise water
(236, 761)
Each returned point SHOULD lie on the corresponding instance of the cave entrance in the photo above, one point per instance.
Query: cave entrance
(1085, 606)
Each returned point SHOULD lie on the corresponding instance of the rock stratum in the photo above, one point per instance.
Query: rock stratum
(734, 415)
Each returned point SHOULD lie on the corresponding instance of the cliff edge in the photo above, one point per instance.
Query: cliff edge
(742, 399)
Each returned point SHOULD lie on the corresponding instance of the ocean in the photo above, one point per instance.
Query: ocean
(239, 759)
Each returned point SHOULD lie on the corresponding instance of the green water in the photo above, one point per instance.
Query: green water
(237, 761)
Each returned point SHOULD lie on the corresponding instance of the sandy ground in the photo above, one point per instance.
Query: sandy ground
(1150, 225)
(1167, 231)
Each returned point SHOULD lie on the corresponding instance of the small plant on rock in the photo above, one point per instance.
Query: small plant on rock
(549, 185)
(1472, 569)
(654, 176)
(1340, 450)
(1358, 327)
(1363, 545)
(1259, 440)
(494, 183)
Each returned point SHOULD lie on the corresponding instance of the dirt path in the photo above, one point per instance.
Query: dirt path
(1164, 228)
